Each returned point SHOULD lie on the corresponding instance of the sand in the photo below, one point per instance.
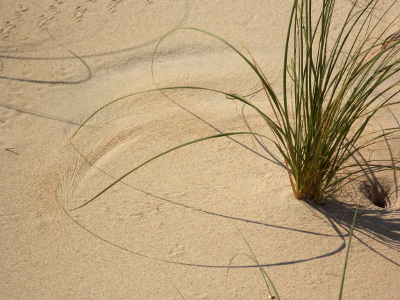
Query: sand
(175, 222)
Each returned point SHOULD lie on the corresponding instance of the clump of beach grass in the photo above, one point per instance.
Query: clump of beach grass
(332, 88)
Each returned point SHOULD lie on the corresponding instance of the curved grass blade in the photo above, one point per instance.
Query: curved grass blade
(254, 66)
(161, 154)
(228, 95)
(347, 253)
(267, 279)
(333, 100)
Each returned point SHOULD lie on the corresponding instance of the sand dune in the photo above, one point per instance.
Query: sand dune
(174, 221)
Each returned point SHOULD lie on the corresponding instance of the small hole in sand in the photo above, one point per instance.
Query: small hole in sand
(375, 192)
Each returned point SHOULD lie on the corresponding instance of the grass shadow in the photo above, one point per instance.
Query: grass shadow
(338, 215)
(380, 225)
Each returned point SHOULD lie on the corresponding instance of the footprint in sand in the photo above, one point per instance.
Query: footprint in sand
(44, 21)
(176, 250)
(53, 9)
(63, 74)
(20, 10)
(5, 30)
(12, 105)
(79, 13)
(112, 6)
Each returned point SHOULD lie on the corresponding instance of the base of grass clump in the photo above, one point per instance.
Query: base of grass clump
(333, 86)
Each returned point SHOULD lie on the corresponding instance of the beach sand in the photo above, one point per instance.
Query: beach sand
(177, 222)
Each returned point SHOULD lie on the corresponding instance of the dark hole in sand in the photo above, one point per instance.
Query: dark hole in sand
(375, 192)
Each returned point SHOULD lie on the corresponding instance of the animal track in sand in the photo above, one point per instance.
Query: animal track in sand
(44, 21)
(63, 73)
(12, 103)
(7, 28)
(54, 9)
(20, 10)
(112, 6)
(79, 13)
(176, 250)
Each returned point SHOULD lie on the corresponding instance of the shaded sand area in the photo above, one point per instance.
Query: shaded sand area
(175, 221)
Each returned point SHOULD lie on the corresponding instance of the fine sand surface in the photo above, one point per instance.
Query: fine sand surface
(175, 221)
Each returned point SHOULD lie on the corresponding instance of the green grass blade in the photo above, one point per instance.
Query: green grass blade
(347, 253)
(162, 154)
(254, 67)
(267, 279)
